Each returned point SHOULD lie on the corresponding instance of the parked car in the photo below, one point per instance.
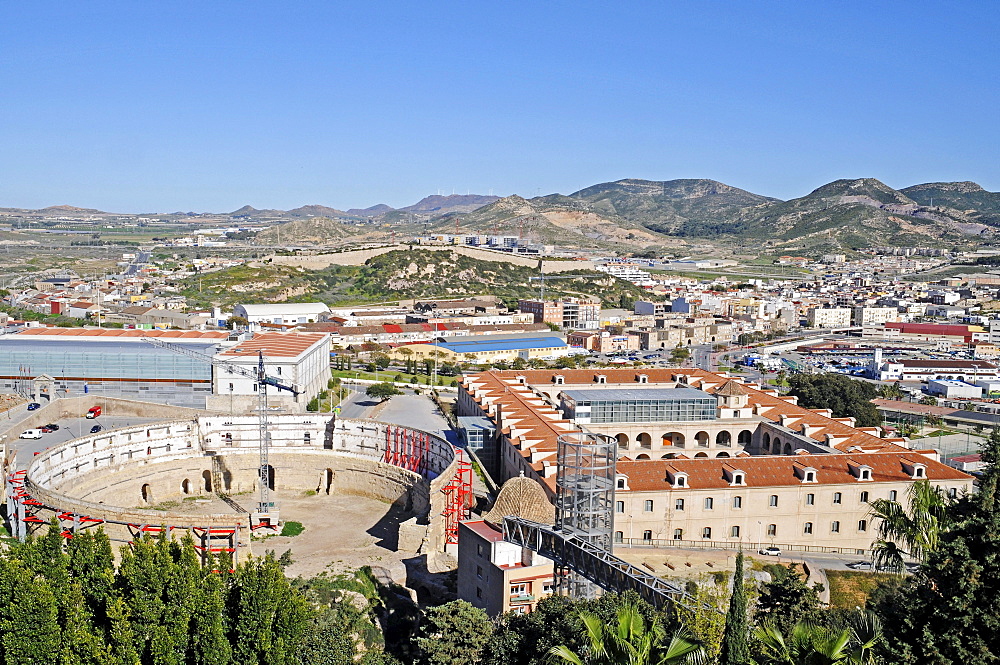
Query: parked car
(31, 434)
(95, 429)
(34, 406)
(770, 551)
(52, 427)
(93, 412)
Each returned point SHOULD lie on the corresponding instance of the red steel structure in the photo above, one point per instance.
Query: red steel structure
(458, 497)
(406, 448)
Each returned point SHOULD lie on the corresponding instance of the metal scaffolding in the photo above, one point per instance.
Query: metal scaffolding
(585, 499)
(603, 568)
(458, 497)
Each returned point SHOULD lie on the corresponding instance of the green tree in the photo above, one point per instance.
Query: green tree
(679, 354)
(382, 391)
(736, 639)
(812, 644)
(913, 530)
(787, 600)
(453, 634)
(949, 611)
(525, 639)
(844, 396)
(267, 619)
(629, 641)
(891, 391)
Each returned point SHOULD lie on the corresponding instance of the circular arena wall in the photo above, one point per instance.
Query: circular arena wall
(119, 475)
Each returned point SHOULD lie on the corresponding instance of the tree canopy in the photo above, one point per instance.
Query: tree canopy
(844, 396)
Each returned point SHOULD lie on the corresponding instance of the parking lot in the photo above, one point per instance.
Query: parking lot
(69, 428)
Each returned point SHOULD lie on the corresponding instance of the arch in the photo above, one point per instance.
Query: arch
(645, 440)
(329, 480)
(147, 493)
(723, 438)
(670, 456)
(723, 454)
(186, 486)
(206, 480)
(702, 454)
(227, 480)
(745, 438)
(675, 439)
(702, 439)
(776, 446)
(622, 440)
(642, 456)
(788, 448)
(766, 442)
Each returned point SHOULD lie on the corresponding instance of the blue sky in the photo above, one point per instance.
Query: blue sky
(207, 106)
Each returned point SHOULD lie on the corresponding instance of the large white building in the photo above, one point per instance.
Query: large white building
(287, 314)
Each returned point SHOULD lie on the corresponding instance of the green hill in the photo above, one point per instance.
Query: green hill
(968, 197)
(397, 275)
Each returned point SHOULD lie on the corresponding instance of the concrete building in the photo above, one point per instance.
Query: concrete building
(492, 350)
(574, 313)
(954, 389)
(604, 341)
(498, 576)
(299, 359)
(867, 316)
(709, 464)
(282, 313)
(830, 317)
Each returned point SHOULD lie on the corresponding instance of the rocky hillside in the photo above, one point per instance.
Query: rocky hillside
(966, 197)
(402, 274)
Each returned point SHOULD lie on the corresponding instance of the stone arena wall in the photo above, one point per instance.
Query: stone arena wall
(122, 474)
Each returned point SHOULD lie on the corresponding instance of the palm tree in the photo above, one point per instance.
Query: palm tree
(630, 642)
(912, 531)
(809, 644)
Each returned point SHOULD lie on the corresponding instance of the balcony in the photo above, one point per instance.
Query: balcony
(521, 598)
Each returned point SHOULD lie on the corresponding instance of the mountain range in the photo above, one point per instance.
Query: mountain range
(842, 215)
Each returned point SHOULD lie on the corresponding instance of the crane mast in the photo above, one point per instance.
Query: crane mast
(267, 513)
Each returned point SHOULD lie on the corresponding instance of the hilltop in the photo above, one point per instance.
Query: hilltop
(967, 197)
(400, 274)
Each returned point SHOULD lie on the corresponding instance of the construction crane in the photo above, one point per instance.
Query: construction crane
(267, 512)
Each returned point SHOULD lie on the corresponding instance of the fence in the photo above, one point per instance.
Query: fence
(661, 543)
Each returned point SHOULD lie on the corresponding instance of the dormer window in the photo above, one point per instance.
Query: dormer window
(861, 471)
(915, 469)
(736, 476)
(737, 479)
(918, 472)
(810, 476)
(621, 483)
(679, 479)
(866, 474)
(522, 380)
(600, 378)
(642, 378)
(559, 379)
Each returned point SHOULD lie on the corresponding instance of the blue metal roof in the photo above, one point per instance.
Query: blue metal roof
(472, 346)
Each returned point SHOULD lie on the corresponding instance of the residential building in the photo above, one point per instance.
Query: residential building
(574, 313)
(604, 341)
(829, 317)
(282, 313)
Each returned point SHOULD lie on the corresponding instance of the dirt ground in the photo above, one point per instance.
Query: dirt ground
(341, 533)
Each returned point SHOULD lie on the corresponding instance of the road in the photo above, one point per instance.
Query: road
(69, 428)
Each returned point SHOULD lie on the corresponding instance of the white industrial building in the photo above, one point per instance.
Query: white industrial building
(286, 313)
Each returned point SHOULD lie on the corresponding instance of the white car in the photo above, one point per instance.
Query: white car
(770, 551)
(31, 434)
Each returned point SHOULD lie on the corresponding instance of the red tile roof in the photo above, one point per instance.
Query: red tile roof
(276, 344)
(120, 333)
(778, 470)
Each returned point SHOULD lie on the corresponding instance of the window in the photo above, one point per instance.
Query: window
(953, 493)
(647, 536)
(734, 532)
(773, 501)
(866, 474)
(619, 536)
(709, 503)
(864, 497)
(647, 506)
(738, 479)
(893, 494)
(479, 549)
(621, 483)
(479, 592)
(619, 506)
(918, 472)
(772, 529)
(810, 499)
(737, 502)
(519, 589)
(706, 532)
(838, 497)
(479, 572)
(678, 534)
(810, 477)
(681, 481)
(863, 525)
(807, 528)
(679, 504)
(835, 527)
